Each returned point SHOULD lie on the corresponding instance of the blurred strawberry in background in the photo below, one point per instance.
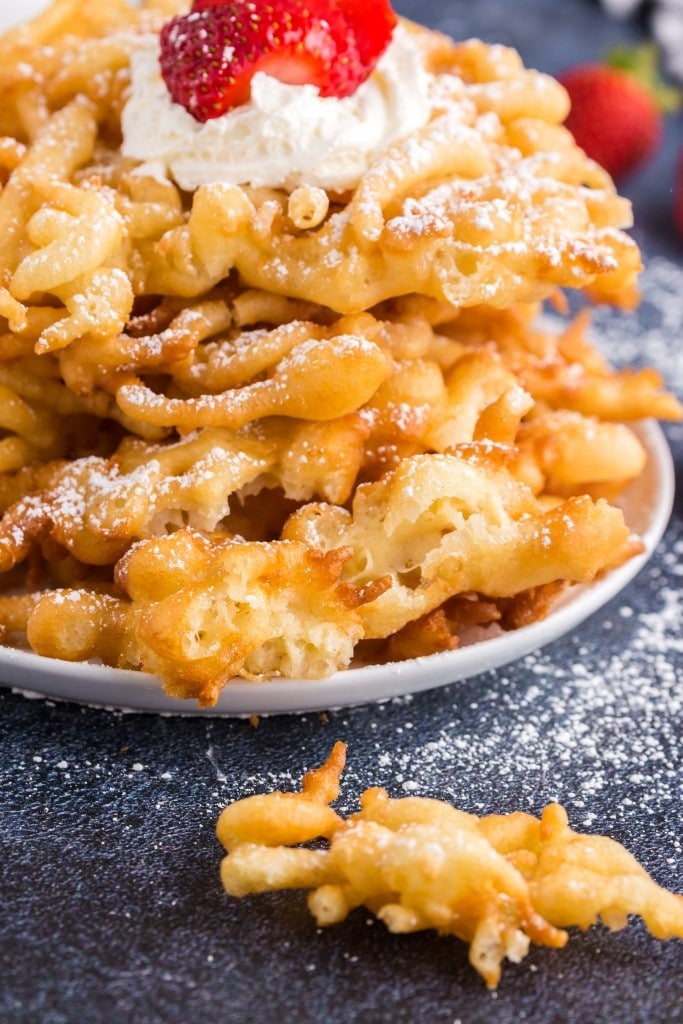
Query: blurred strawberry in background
(617, 108)
(664, 22)
(678, 194)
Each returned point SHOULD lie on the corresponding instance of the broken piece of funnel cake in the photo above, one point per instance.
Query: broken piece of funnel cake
(498, 882)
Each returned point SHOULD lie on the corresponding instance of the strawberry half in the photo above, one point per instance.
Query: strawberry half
(371, 21)
(209, 56)
(372, 24)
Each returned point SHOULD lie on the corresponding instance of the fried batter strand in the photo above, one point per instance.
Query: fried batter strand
(204, 611)
(97, 507)
(206, 608)
(498, 882)
(441, 525)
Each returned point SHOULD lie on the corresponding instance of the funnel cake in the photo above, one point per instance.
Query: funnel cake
(312, 414)
(498, 882)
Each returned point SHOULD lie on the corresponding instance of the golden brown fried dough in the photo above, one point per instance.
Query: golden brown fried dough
(498, 882)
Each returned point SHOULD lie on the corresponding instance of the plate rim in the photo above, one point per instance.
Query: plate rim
(134, 691)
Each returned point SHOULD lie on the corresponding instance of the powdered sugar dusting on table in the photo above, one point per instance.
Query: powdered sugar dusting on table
(649, 336)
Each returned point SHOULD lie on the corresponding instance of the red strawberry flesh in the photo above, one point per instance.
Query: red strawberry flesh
(372, 22)
(209, 57)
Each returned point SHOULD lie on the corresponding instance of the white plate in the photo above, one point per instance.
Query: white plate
(647, 507)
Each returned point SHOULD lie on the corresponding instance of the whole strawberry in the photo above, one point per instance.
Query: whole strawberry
(616, 109)
(209, 56)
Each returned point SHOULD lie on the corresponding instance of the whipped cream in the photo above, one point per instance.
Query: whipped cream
(286, 135)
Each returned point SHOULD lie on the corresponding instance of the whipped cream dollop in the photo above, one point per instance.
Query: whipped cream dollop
(286, 135)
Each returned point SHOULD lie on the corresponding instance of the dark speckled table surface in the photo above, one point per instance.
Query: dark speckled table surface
(112, 910)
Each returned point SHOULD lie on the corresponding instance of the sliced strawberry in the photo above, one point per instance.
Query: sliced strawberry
(209, 57)
(372, 22)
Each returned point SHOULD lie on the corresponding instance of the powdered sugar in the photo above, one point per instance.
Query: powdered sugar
(650, 336)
